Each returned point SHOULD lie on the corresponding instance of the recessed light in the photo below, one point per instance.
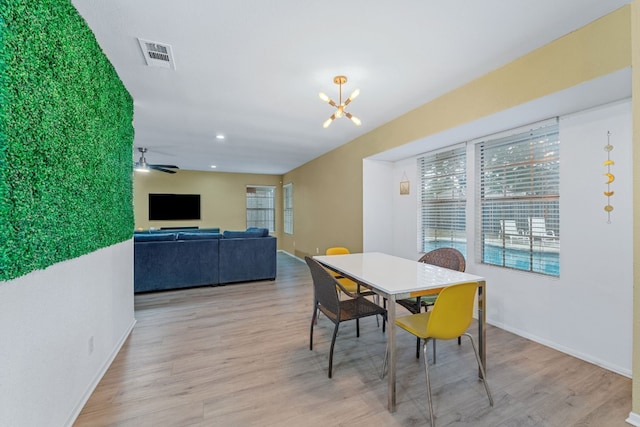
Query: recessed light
(213, 166)
(220, 136)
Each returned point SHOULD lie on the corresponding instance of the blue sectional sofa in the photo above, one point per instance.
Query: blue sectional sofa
(175, 259)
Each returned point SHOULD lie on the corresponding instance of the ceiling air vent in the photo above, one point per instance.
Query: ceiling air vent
(157, 54)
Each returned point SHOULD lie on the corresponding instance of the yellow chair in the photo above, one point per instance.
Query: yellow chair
(337, 251)
(450, 318)
(450, 258)
(347, 284)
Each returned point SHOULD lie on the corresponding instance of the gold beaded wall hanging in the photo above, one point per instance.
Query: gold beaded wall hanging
(610, 178)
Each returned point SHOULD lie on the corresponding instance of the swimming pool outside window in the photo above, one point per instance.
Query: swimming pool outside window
(519, 196)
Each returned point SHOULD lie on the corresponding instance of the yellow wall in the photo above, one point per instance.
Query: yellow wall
(222, 197)
(328, 190)
(635, 53)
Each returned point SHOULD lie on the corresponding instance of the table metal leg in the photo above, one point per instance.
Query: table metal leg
(482, 330)
(391, 337)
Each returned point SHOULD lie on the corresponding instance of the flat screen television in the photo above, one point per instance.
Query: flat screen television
(171, 207)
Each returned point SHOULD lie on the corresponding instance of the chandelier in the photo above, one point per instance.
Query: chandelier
(340, 106)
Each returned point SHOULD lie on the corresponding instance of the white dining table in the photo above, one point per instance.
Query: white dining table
(396, 278)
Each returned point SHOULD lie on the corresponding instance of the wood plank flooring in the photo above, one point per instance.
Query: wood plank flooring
(238, 355)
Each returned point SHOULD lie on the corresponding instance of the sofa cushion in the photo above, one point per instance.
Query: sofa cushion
(264, 231)
(154, 237)
(230, 234)
(198, 235)
(208, 230)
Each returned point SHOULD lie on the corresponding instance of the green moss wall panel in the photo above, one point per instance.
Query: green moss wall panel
(66, 138)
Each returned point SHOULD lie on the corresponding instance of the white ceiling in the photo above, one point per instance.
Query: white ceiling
(252, 69)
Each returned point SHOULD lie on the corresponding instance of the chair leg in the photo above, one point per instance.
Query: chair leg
(434, 351)
(314, 319)
(384, 323)
(333, 342)
(484, 376)
(358, 328)
(426, 370)
(459, 340)
(417, 310)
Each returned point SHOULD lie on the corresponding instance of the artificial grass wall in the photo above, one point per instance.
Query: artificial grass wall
(66, 138)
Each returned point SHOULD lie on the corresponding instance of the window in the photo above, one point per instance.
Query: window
(261, 210)
(288, 208)
(443, 199)
(519, 195)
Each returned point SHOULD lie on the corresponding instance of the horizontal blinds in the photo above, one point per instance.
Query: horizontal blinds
(261, 207)
(443, 199)
(519, 193)
(288, 208)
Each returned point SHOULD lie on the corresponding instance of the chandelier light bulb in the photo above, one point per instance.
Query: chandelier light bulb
(355, 94)
(324, 97)
(327, 122)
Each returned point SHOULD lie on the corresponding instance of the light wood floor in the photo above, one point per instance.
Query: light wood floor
(238, 355)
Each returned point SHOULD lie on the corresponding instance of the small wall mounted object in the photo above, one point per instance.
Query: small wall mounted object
(404, 184)
(610, 178)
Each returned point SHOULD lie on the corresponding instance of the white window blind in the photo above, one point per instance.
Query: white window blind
(443, 190)
(519, 195)
(261, 210)
(288, 208)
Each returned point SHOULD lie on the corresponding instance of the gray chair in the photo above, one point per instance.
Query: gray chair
(326, 300)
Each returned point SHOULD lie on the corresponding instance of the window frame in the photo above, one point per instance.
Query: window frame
(287, 208)
(449, 232)
(268, 220)
(518, 199)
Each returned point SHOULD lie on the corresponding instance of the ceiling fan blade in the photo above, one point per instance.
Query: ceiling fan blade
(161, 169)
(165, 166)
(329, 121)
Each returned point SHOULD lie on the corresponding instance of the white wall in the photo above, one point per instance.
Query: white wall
(376, 195)
(587, 312)
(47, 318)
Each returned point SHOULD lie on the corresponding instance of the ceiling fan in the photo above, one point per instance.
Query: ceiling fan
(143, 166)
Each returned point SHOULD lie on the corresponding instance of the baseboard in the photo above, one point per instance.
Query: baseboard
(96, 380)
(613, 368)
(634, 419)
(291, 255)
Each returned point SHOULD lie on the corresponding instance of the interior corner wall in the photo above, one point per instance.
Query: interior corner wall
(60, 329)
(390, 218)
(377, 212)
(634, 417)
